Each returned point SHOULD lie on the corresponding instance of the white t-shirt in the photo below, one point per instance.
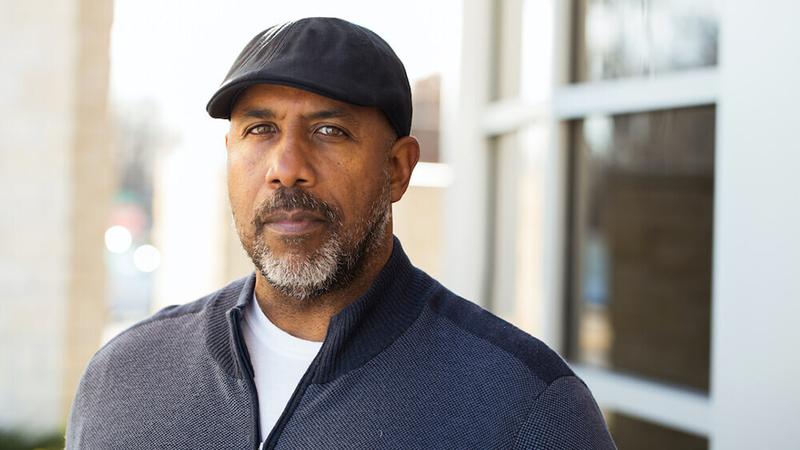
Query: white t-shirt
(279, 361)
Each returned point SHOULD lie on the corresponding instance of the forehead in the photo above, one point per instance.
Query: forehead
(280, 99)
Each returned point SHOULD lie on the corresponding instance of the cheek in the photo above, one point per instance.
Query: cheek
(243, 185)
(360, 190)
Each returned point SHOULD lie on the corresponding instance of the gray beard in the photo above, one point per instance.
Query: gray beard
(334, 265)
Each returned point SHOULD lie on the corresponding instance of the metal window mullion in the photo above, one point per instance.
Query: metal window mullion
(691, 88)
(682, 89)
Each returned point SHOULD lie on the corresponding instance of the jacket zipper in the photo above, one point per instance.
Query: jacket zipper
(234, 319)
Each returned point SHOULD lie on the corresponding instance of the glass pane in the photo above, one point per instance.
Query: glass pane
(642, 219)
(632, 434)
(623, 38)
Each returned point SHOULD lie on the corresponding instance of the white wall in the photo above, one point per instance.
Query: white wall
(756, 326)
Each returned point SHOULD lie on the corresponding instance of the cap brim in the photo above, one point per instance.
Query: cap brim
(221, 103)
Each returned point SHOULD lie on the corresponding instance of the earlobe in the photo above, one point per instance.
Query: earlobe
(405, 155)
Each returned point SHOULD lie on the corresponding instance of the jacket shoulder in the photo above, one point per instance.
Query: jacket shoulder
(225, 297)
(150, 367)
(544, 363)
(565, 415)
(168, 327)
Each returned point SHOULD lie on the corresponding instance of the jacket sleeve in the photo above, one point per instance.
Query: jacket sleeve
(564, 416)
(81, 418)
(75, 423)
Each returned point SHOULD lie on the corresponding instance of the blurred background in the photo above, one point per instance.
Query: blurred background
(616, 177)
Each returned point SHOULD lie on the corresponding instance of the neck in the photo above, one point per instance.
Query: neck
(308, 319)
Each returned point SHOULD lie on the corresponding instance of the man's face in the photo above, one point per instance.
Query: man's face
(309, 186)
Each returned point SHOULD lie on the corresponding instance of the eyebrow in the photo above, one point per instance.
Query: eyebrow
(261, 113)
(333, 113)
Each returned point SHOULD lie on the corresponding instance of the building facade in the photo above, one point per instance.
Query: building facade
(624, 170)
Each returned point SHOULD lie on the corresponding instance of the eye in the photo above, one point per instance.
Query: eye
(331, 131)
(261, 129)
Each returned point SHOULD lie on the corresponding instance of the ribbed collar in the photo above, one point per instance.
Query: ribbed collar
(355, 335)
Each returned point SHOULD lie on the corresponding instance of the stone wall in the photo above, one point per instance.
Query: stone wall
(55, 170)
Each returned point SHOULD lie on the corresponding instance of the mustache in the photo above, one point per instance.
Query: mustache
(293, 198)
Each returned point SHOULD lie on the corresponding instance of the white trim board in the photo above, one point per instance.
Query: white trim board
(428, 174)
(663, 404)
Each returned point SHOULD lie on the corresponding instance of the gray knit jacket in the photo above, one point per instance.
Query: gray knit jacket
(409, 365)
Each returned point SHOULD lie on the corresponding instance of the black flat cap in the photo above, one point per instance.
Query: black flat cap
(326, 56)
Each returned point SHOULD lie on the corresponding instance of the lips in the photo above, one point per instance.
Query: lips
(294, 221)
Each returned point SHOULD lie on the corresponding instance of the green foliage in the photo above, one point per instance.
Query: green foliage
(14, 440)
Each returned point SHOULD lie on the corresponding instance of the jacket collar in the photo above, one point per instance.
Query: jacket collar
(355, 335)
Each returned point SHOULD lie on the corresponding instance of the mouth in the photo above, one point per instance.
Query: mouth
(294, 222)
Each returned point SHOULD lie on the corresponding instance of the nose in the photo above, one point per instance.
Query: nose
(289, 162)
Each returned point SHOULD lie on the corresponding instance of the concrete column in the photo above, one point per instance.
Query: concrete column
(92, 189)
(465, 93)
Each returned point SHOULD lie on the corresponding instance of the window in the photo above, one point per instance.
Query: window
(642, 212)
(601, 245)
(626, 38)
(631, 432)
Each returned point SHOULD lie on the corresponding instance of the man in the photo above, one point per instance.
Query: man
(336, 340)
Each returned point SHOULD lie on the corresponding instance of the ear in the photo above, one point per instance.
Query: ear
(226, 140)
(402, 160)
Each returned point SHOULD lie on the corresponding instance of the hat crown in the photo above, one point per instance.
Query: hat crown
(326, 56)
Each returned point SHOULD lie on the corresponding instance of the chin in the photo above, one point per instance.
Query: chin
(298, 271)
(295, 243)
